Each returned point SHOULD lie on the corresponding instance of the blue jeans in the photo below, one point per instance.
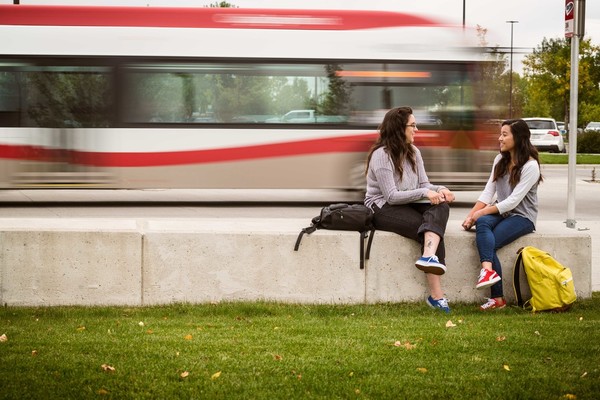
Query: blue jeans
(493, 232)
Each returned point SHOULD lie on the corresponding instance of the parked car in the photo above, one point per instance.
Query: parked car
(562, 128)
(593, 126)
(545, 135)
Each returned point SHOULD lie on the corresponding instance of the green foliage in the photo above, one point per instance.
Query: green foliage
(337, 98)
(588, 142)
(548, 72)
(272, 350)
(494, 80)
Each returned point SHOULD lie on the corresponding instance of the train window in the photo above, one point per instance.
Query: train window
(437, 93)
(233, 93)
(9, 99)
(57, 96)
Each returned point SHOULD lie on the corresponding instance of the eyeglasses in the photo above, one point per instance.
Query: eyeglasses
(413, 125)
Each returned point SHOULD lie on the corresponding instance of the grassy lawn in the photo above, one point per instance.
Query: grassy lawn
(555, 158)
(277, 351)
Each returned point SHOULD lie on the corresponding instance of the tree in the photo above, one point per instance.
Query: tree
(337, 98)
(494, 82)
(548, 74)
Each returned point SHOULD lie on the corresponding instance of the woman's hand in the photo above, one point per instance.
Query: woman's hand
(468, 223)
(435, 197)
(448, 195)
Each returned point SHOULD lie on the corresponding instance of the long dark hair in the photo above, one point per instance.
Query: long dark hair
(524, 150)
(392, 136)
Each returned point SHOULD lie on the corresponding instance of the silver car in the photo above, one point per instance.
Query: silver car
(545, 135)
(593, 126)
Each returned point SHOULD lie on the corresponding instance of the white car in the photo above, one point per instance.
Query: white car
(593, 126)
(545, 135)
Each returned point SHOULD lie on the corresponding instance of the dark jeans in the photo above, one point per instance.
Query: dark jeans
(413, 220)
(493, 232)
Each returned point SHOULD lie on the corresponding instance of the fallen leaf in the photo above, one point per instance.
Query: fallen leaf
(102, 392)
(4, 338)
(34, 353)
(357, 391)
(184, 374)
(500, 338)
(537, 333)
(583, 375)
(506, 367)
(80, 328)
(277, 357)
(422, 370)
(216, 375)
(141, 323)
(107, 368)
(188, 337)
(407, 345)
(570, 396)
(149, 331)
(450, 324)
(351, 373)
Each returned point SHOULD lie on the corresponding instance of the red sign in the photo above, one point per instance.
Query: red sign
(569, 18)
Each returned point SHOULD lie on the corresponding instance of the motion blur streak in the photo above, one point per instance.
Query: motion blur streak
(207, 98)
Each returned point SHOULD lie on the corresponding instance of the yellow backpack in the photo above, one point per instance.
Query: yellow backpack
(551, 283)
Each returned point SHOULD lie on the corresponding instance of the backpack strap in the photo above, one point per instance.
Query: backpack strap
(368, 252)
(362, 249)
(364, 255)
(516, 277)
(308, 230)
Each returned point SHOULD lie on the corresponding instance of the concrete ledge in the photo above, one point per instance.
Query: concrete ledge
(58, 262)
(390, 279)
(128, 262)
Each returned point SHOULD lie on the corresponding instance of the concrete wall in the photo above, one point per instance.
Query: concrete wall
(126, 262)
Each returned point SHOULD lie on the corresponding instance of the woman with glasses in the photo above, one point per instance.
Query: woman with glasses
(403, 199)
(514, 180)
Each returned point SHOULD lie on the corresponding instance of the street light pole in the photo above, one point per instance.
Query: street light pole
(510, 107)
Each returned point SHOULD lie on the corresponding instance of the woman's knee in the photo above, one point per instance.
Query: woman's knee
(485, 222)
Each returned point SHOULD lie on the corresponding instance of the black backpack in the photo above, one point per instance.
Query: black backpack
(345, 217)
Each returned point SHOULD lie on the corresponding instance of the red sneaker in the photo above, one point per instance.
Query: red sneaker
(487, 278)
(493, 304)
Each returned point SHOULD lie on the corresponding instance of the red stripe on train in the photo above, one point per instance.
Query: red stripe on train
(204, 17)
(345, 144)
(136, 159)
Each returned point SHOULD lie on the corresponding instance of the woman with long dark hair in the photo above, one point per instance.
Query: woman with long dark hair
(514, 181)
(403, 199)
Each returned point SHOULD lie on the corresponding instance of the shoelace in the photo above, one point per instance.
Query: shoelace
(490, 303)
(443, 302)
(482, 274)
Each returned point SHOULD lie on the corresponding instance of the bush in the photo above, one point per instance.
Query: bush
(588, 142)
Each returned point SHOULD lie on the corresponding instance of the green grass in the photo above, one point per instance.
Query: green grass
(277, 351)
(556, 158)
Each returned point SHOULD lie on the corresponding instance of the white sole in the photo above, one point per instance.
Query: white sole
(488, 283)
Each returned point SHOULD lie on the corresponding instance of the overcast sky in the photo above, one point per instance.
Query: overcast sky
(537, 18)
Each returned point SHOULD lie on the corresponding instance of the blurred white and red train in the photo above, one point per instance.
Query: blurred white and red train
(155, 97)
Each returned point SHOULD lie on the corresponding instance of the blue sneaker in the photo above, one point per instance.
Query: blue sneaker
(441, 304)
(431, 265)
